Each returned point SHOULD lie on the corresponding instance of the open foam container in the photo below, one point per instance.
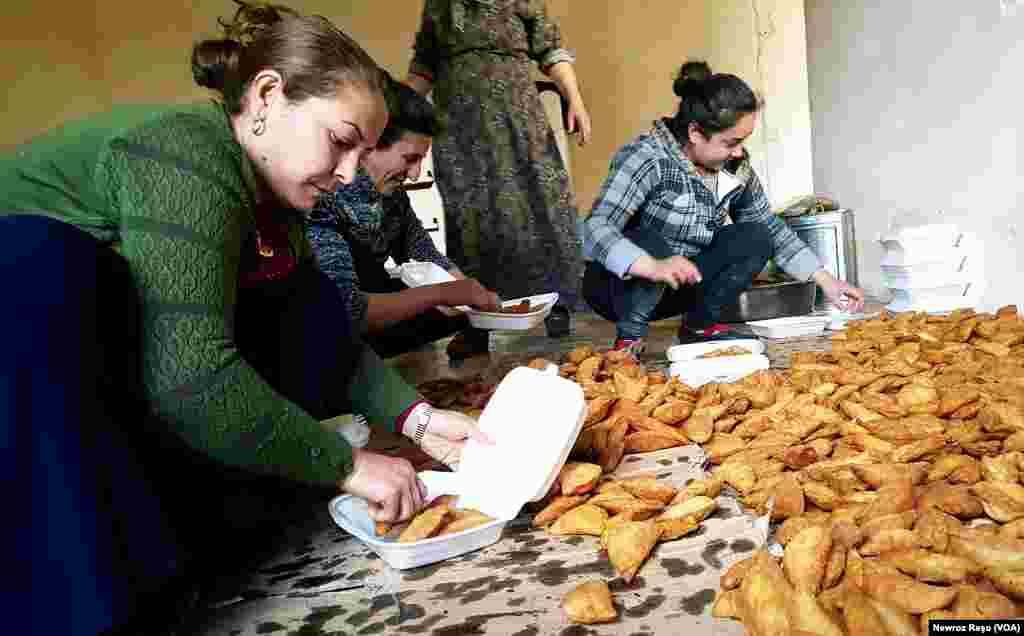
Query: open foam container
(692, 370)
(679, 353)
(533, 418)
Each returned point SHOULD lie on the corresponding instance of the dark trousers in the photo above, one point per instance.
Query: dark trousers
(298, 335)
(737, 253)
(109, 509)
(410, 334)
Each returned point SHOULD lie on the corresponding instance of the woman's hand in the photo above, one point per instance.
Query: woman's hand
(839, 292)
(447, 434)
(388, 484)
(468, 291)
(578, 120)
(675, 270)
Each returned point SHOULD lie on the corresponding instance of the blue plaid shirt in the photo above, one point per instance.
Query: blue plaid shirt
(653, 184)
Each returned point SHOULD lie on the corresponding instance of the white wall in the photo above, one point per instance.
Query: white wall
(916, 112)
(765, 43)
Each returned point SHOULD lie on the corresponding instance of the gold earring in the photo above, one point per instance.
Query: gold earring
(259, 126)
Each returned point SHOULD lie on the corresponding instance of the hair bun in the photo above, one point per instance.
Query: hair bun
(691, 74)
(213, 61)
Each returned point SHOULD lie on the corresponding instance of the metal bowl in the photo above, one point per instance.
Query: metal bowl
(777, 300)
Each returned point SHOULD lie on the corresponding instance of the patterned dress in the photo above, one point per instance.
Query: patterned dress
(510, 217)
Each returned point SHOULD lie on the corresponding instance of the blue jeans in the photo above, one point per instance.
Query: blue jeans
(737, 254)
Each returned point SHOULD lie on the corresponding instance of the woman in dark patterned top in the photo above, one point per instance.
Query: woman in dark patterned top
(510, 219)
(682, 223)
(357, 228)
(167, 334)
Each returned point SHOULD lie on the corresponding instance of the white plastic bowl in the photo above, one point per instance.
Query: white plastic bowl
(679, 353)
(791, 327)
(418, 274)
(514, 322)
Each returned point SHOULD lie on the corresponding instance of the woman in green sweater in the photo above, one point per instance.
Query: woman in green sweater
(166, 319)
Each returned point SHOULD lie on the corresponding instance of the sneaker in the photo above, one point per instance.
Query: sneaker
(558, 322)
(713, 333)
(633, 346)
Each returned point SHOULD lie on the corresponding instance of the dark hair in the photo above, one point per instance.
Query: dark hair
(314, 57)
(712, 101)
(409, 112)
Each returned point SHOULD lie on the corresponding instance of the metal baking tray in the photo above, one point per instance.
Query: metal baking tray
(776, 300)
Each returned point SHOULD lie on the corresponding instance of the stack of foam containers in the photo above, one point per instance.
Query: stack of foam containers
(934, 268)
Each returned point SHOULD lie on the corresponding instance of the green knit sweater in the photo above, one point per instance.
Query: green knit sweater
(172, 189)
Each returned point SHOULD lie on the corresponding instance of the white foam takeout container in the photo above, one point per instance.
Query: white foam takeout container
(694, 371)
(418, 274)
(679, 353)
(697, 373)
(934, 239)
(930, 262)
(791, 327)
(533, 418)
(937, 299)
(927, 279)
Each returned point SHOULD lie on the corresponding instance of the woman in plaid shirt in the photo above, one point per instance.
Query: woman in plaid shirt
(682, 223)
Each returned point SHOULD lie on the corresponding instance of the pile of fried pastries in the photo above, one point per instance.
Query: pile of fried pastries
(437, 519)
(891, 466)
(468, 396)
(633, 410)
(629, 516)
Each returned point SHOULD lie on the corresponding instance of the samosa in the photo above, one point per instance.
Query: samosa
(892, 586)
(806, 557)
(558, 507)
(649, 488)
(590, 603)
(696, 507)
(426, 524)
(585, 519)
(764, 598)
(931, 567)
(578, 478)
(629, 545)
(464, 520)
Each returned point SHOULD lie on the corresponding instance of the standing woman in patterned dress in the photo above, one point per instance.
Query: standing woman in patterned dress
(510, 215)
